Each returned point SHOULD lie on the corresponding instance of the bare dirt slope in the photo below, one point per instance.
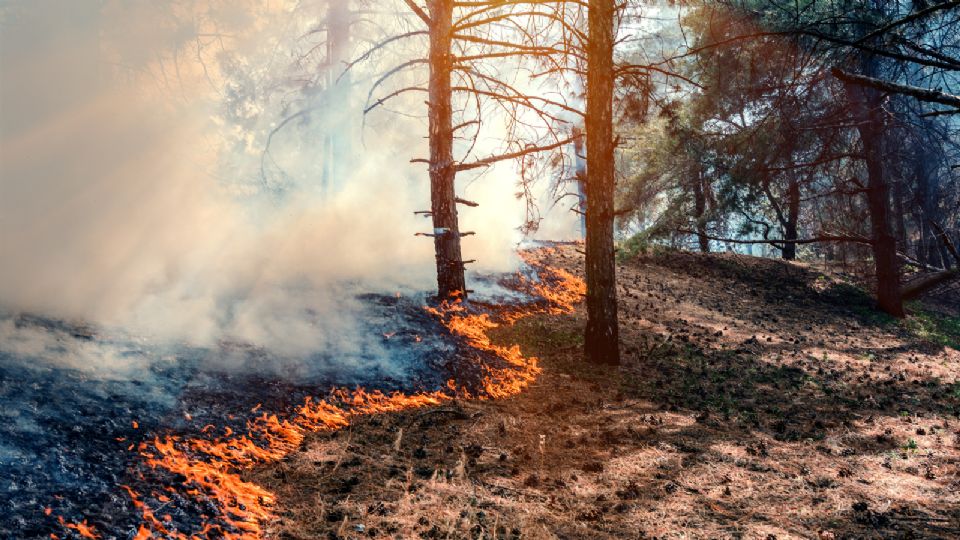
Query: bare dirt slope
(758, 399)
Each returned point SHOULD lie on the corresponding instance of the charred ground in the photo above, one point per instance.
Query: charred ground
(72, 440)
(759, 399)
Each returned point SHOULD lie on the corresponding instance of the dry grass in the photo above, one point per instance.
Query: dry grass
(841, 424)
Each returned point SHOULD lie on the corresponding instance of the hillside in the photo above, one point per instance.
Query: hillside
(759, 399)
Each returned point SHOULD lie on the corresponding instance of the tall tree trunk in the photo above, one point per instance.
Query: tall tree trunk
(866, 103)
(956, 242)
(700, 203)
(923, 172)
(899, 220)
(933, 253)
(793, 217)
(446, 229)
(602, 340)
(945, 261)
(920, 216)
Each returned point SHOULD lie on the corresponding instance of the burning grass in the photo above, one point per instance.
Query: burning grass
(206, 471)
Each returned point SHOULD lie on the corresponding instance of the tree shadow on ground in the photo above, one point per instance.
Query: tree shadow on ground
(832, 377)
(841, 426)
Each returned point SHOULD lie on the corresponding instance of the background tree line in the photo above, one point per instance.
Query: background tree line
(811, 128)
(817, 127)
(828, 125)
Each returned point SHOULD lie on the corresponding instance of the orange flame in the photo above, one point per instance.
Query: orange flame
(211, 466)
(82, 528)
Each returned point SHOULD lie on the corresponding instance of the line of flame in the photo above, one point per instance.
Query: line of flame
(211, 467)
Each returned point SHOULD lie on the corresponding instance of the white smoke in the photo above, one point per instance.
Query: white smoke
(136, 200)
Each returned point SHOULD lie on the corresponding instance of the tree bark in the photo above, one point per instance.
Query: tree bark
(866, 104)
(443, 205)
(602, 340)
(921, 181)
(900, 223)
(945, 261)
(700, 203)
(790, 231)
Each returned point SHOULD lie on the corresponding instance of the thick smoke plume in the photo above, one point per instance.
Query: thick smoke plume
(136, 193)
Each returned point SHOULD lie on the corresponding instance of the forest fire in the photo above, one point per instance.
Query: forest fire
(236, 236)
(207, 471)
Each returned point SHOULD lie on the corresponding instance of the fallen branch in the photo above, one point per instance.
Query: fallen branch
(927, 283)
(910, 261)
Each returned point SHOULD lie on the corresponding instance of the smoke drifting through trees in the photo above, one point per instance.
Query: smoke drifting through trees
(186, 196)
(492, 50)
(263, 96)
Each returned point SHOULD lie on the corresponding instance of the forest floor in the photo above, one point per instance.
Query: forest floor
(758, 399)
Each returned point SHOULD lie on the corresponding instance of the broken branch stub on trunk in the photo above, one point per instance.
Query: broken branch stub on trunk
(475, 31)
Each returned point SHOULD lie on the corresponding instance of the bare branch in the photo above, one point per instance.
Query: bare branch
(513, 155)
(418, 10)
(910, 18)
(922, 94)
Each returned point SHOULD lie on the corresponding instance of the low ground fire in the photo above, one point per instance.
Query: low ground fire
(479, 269)
(187, 485)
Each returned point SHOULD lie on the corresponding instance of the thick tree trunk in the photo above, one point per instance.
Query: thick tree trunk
(793, 217)
(920, 246)
(700, 202)
(884, 243)
(443, 205)
(866, 105)
(602, 340)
